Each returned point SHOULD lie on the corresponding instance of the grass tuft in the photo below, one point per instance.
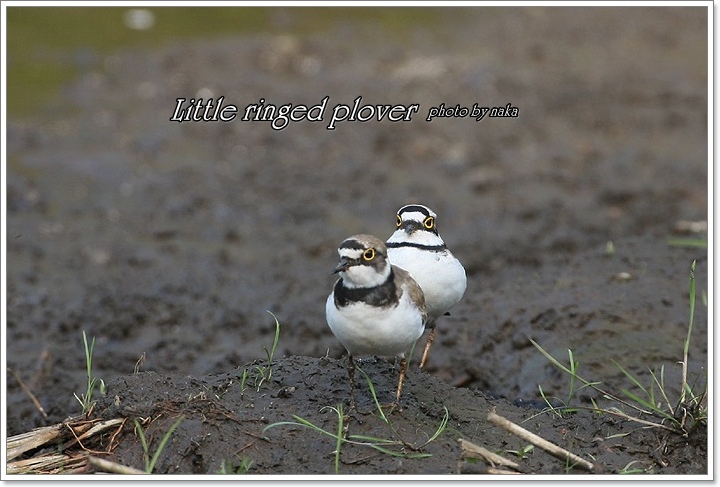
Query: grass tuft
(396, 447)
(263, 373)
(86, 400)
(652, 406)
(523, 452)
(151, 462)
(229, 468)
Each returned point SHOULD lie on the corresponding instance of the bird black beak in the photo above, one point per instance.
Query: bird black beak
(342, 265)
(410, 226)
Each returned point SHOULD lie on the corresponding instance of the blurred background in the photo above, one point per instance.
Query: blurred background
(173, 240)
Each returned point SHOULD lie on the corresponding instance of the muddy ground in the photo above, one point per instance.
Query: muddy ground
(172, 241)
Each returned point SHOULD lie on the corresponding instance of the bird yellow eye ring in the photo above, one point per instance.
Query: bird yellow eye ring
(429, 222)
(399, 220)
(369, 254)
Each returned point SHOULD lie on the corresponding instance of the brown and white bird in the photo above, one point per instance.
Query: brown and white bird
(375, 308)
(417, 247)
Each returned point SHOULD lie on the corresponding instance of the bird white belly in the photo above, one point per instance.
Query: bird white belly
(364, 330)
(439, 274)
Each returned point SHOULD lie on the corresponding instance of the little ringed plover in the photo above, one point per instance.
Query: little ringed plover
(417, 247)
(375, 308)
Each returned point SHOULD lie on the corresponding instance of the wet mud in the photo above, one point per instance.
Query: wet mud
(171, 241)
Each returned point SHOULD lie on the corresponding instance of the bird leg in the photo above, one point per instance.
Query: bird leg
(401, 379)
(431, 338)
(351, 375)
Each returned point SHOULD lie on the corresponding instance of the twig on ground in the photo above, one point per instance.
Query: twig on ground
(94, 429)
(19, 444)
(29, 393)
(112, 467)
(49, 464)
(471, 450)
(61, 438)
(551, 448)
(497, 471)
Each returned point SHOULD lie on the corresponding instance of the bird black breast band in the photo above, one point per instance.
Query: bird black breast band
(434, 248)
(382, 295)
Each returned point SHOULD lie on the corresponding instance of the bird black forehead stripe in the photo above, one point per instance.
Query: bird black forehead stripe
(409, 208)
(352, 244)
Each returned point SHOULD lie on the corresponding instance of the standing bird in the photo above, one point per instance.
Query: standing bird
(417, 247)
(375, 308)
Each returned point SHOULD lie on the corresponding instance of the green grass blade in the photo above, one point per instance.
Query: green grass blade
(441, 427)
(642, 402)
(88, 354)
(653, 409)
(163, 442)
(374, 439)
(399, 454)
(686, 348)
(661, 386)
(86, 399)
(565, 369)
(300, 422)
(371, 386)
(551, 358)
(631, 378)
(373, 393)
(552, 408)
(573, 374)
(595, 407)
(688, 242)
(276, 339)
(143, 442)
(649, 402)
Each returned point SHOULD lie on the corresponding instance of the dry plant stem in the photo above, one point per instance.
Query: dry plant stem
(98, 428)
(497, 471)
(621, 414)
(551, 448)
(139, 363)
(60, 438)
(19, 444)
(112, 467)
(430, 340)
(114, 435)
(49, 464)
(471, 450)
(29, 393)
